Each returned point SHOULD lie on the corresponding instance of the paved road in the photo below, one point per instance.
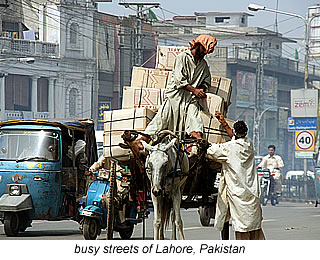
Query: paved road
(287, 221)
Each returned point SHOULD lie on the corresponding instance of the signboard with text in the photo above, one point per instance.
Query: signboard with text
(246, 85)
(302, 123)
(102, 106)
(304, 103)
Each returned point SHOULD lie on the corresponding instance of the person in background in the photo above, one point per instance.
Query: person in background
(275, 164)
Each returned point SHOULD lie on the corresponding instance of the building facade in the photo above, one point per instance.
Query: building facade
(82, 59)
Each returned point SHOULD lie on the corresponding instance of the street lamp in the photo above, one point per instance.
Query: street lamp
(257, 126)
(307, 22)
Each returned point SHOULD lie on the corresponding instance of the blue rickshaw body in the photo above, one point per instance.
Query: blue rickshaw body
(44, 179)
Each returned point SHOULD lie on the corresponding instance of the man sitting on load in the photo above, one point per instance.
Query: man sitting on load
(191, 78)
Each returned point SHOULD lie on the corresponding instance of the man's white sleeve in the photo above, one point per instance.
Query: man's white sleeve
(218, 152)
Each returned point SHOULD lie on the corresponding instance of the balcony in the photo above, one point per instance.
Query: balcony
(236, 54)
(28, 47)
(13, 115)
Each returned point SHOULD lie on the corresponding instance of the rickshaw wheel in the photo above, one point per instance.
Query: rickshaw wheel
(11, 224)
(127, 232)
(204, 213)
(91, 228)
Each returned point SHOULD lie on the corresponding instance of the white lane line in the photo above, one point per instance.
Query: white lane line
(315, 216)
(189, 228)
(269, 220)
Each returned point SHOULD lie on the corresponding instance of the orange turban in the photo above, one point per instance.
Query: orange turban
(207, 41)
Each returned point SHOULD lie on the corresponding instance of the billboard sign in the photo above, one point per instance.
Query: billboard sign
(304, 103)
(246, 85)
(102, 106)
(302, 123)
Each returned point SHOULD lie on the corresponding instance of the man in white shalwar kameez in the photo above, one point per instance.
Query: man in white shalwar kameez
(191, 77)
(239, 189)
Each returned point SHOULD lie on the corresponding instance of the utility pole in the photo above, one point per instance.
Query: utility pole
(140, 9)
(258, 98)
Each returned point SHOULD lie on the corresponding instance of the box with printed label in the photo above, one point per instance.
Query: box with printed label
(150, 98)
(150, 78)
(166, 56)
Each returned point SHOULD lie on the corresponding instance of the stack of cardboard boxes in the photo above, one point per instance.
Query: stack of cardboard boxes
(146, 94)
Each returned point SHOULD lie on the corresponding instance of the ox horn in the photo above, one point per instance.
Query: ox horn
(169, 145)
(147, 146)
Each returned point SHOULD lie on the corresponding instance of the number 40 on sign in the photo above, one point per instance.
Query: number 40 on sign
(304, 140)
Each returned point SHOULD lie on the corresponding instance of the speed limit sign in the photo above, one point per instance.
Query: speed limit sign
(304, 140)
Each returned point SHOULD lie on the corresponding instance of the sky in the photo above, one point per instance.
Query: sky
(291, 28)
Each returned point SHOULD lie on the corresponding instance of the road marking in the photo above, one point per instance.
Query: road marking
(268, 220)
(315, 216)
(189, 228)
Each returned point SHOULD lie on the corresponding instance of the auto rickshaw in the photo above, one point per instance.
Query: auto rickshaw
(42, 170)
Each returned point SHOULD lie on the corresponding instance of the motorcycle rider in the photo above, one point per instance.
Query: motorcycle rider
(275, 164)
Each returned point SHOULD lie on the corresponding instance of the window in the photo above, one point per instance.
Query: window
(74, 30)
(42, 93)
(18, 92)
(221, 19)
(284, 96)
(73, 101)
(271, 128)
(243, 20)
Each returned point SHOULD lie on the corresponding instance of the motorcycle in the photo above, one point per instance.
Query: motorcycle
(101, 206)
(267, 183)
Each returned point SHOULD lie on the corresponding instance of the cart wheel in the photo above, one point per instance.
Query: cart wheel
(110, 202)
(205, 217)
(11, 224)
(126, 233)
(91, 228)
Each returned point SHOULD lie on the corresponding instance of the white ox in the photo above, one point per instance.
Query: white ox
(166, 190)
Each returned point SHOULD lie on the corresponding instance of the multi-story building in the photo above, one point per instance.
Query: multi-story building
(82, 58)
(237, 57)
(60, 82)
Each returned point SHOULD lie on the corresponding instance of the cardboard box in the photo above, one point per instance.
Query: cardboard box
(212, 129)
(127, 119)
(212, 103)
(166, 56)
(150, 98)
(222, 87)
(150, 78)
(111, 146)
(116, 122)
